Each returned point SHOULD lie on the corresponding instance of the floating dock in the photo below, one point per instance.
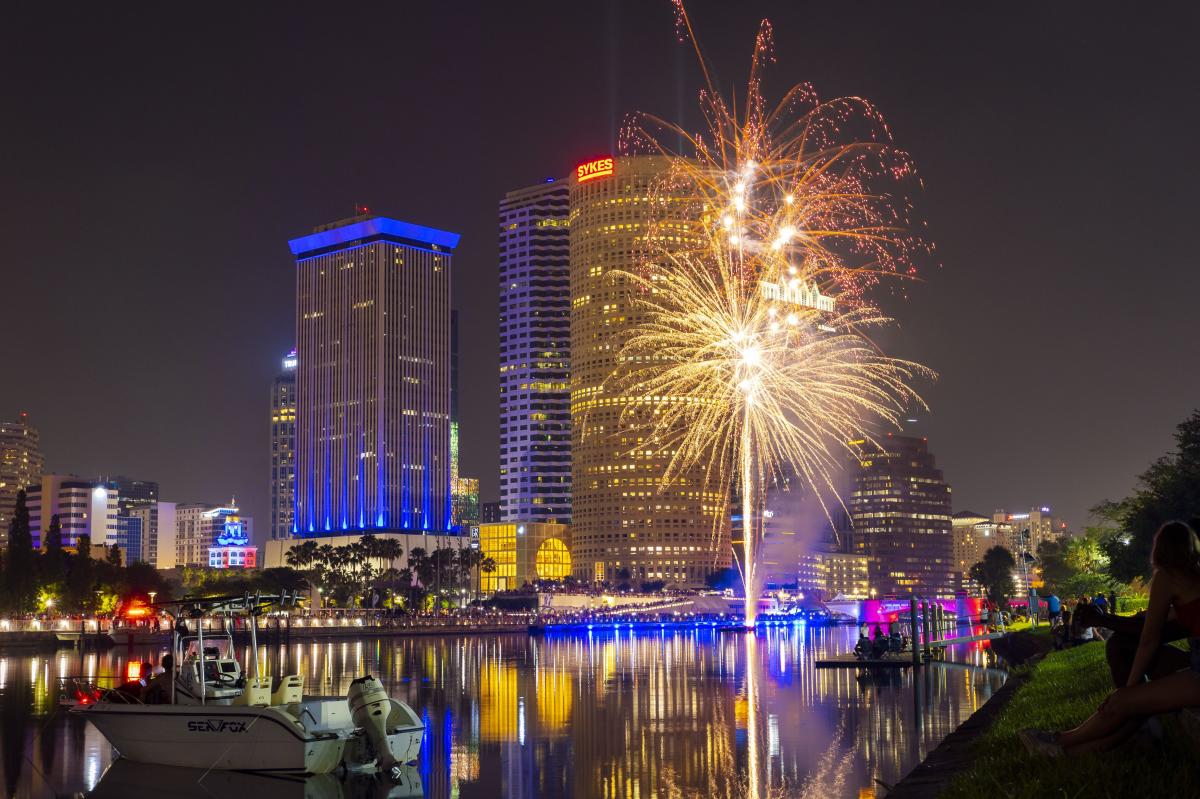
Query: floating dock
(849, 661)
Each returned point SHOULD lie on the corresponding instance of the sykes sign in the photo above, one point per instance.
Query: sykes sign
(590, 170)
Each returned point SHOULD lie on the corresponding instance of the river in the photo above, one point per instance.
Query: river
(642, 714)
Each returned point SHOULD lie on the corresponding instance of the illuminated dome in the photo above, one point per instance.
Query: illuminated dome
(553, 560)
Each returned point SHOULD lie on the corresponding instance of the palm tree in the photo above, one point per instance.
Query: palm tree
(487, 564)
(302, 555)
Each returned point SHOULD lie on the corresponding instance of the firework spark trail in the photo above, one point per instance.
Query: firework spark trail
(750, 345)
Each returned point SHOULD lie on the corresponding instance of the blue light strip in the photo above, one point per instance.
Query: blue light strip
(379, 226)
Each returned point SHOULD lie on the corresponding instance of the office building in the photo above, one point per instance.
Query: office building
(464, 508)
(157, 523)
(974, 535)
(1030, 530)
(828, 574)
(200, 525)
(283, 448)
(524, 552)
(489, 512)
(137, 515)
(84, 507)
(21, 466)
(622, 517)
(899, 508)
(464, 491)
(535, 333)
(373, 377)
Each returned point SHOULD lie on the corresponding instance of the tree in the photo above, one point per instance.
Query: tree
(1169, 489)
(53, 574)
(1077, 566)
(20, 579)
(81, 575)
(995, 574)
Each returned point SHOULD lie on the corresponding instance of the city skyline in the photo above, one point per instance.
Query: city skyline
(1029, 312)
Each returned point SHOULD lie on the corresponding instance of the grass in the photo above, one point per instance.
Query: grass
(1063, 690)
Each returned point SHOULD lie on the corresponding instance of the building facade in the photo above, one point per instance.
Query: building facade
(283, 449)
(535, 333)
(157, 523)
(84, 507)
(232, 548)
(137, 516)
(622, 517)
(1027, 531)
(899, 508)
(373, 378)
(199, 526)
(973, 536)
(21, 466)
(524, 552)
(829, 574)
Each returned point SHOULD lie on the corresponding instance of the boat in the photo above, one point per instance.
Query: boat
(124, 778)
(218, 718)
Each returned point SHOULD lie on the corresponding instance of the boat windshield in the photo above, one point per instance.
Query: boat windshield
(216, 647)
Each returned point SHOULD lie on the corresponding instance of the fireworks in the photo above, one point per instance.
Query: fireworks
(751, 334)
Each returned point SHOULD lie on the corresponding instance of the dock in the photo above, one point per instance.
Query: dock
(966, 639)
(849, 661)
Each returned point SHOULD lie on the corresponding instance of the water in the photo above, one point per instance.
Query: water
(633, 714)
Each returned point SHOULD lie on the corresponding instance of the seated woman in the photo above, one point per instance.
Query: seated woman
(1175, 585)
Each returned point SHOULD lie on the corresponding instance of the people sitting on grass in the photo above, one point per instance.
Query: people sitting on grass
(1174, 682)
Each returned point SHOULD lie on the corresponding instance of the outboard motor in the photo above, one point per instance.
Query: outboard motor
(369, 708)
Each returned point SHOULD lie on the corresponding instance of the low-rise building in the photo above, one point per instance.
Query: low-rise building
(524, 552)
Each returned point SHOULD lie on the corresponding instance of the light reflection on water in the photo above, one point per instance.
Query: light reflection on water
(632, 714)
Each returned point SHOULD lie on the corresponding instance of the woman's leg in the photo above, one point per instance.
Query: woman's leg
(1111, 723)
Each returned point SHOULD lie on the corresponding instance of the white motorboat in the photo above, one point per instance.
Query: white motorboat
(125, 778)
(227, 721)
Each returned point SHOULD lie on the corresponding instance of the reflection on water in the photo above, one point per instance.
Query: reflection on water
(631, 714)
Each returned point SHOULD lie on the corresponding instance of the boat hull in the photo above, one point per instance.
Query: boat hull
(215, 737)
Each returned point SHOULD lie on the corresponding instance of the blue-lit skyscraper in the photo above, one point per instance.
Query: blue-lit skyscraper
(373, 377)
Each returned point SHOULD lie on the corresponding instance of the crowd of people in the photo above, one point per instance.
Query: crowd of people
(1149, 675)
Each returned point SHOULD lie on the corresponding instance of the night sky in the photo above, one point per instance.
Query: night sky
(154, 161)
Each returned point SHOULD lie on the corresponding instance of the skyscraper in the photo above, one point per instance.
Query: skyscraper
(535, 332)
(622, 517)
(283, 448)
(373, 378)
(21, 466)
(900, 514)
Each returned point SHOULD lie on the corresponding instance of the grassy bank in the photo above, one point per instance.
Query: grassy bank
(1062, 691)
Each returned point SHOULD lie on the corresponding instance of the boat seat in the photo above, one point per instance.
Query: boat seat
(257, 693)
(288, 690)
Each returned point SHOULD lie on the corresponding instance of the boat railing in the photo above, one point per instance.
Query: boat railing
(88, 690)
